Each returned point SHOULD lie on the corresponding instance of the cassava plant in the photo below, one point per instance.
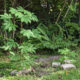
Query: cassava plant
(10, 20)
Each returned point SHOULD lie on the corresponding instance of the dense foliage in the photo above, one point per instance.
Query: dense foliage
(54, 26)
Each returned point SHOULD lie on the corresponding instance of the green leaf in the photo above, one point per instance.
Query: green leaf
(12, 53)
(27, 33)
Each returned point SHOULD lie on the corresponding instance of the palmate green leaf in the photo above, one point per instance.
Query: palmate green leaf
(23, 15)
(12, 43)
(16, 13)
(9, 45)
(22, 10)
(12, 11)
(9, 26)
(34, 18)
(27, 33)
(5, 16)
(27, 48)
(26, 19)
(19, 15)
(26, 12)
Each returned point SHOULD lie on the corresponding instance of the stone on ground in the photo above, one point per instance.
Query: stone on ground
(13, 73)
(25, 71)
(67, 61)
(56, 64)
(68, 66)
(48, 59)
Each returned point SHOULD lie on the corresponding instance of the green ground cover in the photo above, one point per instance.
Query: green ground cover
(6, 67)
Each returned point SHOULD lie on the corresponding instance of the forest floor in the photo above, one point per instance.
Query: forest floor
(43, 69)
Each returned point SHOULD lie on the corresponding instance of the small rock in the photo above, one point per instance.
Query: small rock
(68, 66)
(13, 73)
(56, 64)
(25, 71)
(44, 60)
(68, 61)
(50, 58)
